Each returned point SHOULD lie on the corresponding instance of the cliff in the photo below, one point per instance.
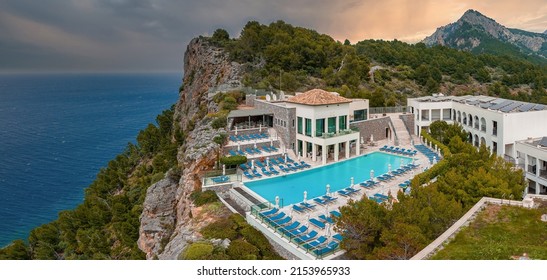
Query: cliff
(166, 221)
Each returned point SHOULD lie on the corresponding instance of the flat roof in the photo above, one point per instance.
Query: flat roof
(248, 113)
(487, 102)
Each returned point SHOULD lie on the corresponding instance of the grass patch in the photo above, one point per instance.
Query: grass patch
(500, 233)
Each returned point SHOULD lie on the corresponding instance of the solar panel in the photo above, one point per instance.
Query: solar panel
(474, 102)
(486, 105)
(510, 107)
(526, 107)
(498, 101)
(487, 99)
(501, 105)
(539, 107)
(543, 142)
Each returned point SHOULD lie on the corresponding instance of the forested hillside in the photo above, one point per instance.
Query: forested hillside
(294, 58)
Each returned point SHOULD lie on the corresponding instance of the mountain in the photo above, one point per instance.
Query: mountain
(477, 33)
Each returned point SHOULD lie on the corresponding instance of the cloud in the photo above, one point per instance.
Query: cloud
(151, 35)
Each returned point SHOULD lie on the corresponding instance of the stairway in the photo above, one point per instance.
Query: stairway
(402, 134)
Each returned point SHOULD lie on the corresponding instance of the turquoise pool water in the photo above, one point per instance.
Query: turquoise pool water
(290, 188)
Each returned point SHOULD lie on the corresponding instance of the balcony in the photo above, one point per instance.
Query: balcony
(339, 133)
(531, 169)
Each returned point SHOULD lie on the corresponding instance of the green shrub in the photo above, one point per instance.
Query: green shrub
(219, 122)
(205, 197)
(257, 239)
(233, 160)
(198, 251)
(221, 229)
(242, 250)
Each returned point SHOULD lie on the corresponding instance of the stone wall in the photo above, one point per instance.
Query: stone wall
(376, 127)
(285, 123)
(250, 100)
(408, 120)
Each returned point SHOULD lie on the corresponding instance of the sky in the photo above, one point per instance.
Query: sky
(151, 35)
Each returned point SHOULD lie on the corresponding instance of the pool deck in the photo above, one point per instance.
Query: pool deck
(386, 188)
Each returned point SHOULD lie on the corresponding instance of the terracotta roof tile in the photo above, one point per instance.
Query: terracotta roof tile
(318, 97)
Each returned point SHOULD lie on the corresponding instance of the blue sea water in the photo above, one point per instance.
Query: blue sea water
(290, 188)
(58, 130)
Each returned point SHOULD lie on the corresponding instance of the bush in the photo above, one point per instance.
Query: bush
(198, 251)
(219, 122)
(257, 239)
(233, 160)
(242, 250)
(221, 229)
(205, 197)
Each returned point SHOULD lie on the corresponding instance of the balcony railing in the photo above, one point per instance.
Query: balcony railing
(339, 133)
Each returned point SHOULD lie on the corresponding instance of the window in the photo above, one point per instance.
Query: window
(319, 127)
(494, 147)
(342, 122)
(308, 127)
(360, 115)
(332, 125)
(293, 123)
(495, 128)
(299, 129)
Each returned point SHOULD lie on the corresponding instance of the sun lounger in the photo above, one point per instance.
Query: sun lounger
(274, 149)
(233, 139)
(241, 153)
(307, 237)
(329, 198)
(232, 153)
(273, 170)
(220, 179)
(315, 243)
(326, 219)
(335, 213)
(283, 168)
(249, 151)
(320, 201)
(383, 148)
(266, 149)
(259, 163)
(327, 249)
(269, 212)
(279, 216)
(265, 172)
(281, 222)
(289, 228)
(256, 174)
(299, 209)
(246, 174)
(382, 196)
(317, 223)
(307, 205)
(338, 237)
(303, 163)
(297, 232)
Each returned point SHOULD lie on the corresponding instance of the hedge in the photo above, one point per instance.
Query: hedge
(233, 160)
(436, 169)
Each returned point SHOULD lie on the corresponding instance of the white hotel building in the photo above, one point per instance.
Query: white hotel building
(322, 124)
(497, 122)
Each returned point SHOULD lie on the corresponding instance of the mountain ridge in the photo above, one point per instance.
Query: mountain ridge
(478, 33)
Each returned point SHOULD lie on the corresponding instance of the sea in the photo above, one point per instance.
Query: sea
(58, 130)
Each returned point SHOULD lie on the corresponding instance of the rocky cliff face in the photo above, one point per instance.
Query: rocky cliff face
(476, 32)
(166, 220)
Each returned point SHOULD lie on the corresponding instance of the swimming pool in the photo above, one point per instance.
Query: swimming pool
(290, 188)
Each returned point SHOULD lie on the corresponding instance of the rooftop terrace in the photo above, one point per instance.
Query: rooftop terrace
(487, 102)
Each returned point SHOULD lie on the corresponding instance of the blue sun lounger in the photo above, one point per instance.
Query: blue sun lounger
(290, 227)
(335, 213)
(299, 209)
(326, 219)
(317, 242)
(297, 232)
(273, 170)
(246, 174)
(256, 174)
(338, 237)
(269, 212)
(306, 237)
(283, 168)
(327, 249)
(265, 172)
(307, 205)
(317, 223)
(282, 222)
